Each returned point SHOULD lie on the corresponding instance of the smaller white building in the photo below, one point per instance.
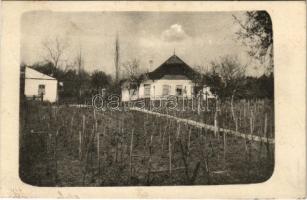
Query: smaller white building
(39, 85)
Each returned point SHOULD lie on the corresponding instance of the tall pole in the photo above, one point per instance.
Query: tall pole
(79, 62)
(116, 59)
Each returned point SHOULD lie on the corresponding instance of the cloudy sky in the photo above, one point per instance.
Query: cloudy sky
(197, 38)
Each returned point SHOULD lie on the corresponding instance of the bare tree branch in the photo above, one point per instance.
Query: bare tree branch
(54, 51)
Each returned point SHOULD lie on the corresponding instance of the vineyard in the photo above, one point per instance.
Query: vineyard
(62, 145)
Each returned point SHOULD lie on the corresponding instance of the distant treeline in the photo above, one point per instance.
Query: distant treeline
(247, 87)
(78, 86)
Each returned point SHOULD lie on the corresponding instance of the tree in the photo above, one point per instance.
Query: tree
(214, 81)
(46, 68)
(132, 69)
(133, 73)
(116, 58)
(198, 78)
(54, 51)
(100, 80)
(266, 86)
(79, 63)
(256, 33)
(231, 73)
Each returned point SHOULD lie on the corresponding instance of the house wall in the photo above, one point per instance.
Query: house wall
(156, 87)
(31, 88)
(142, 88)
(126, 96)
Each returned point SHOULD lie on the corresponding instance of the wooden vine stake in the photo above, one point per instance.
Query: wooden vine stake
(98, 153)
(189, 139)
(251, 121)
(266, 135)
(71, 125)
(170, 154)
(95, 120)
(80, 145)
(149, 161)
(178, 130)
(215, 124)
(164, 132)
(130, 157)
(225, 148)
(56, 156)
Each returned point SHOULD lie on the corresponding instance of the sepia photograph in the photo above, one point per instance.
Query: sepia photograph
(135, 98)
(153, 99)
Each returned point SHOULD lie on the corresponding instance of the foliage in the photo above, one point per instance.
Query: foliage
(256, 33)
(133, 72)
(231, 73)
(100, 79)
(251, 87)
(227, 78)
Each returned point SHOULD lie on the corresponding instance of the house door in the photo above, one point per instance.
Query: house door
(41, 91)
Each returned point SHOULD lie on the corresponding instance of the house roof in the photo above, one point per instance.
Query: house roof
(174, 77)
(33, 74)
(172, 67)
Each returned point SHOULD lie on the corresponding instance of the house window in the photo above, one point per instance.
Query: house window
(146, 90)
(179, 90)
(133, 92)
(41, 89)
(166, 90)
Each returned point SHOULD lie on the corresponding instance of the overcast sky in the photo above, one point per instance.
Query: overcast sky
(197, 38)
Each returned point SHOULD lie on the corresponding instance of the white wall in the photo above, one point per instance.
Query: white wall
(156, 87)
(186, 84)
(31, 88)
(141, 88)
(126, 96)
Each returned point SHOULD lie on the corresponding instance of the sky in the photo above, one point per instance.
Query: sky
(196, 37)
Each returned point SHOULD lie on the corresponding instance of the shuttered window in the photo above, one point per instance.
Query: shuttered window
(146, 90)
(166, 90)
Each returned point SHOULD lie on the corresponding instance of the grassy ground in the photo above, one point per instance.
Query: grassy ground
(163, 152)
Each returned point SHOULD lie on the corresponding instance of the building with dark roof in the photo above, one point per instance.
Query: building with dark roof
(173, 77)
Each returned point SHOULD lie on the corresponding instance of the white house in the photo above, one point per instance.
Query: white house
(40, 85)
(173, 77)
